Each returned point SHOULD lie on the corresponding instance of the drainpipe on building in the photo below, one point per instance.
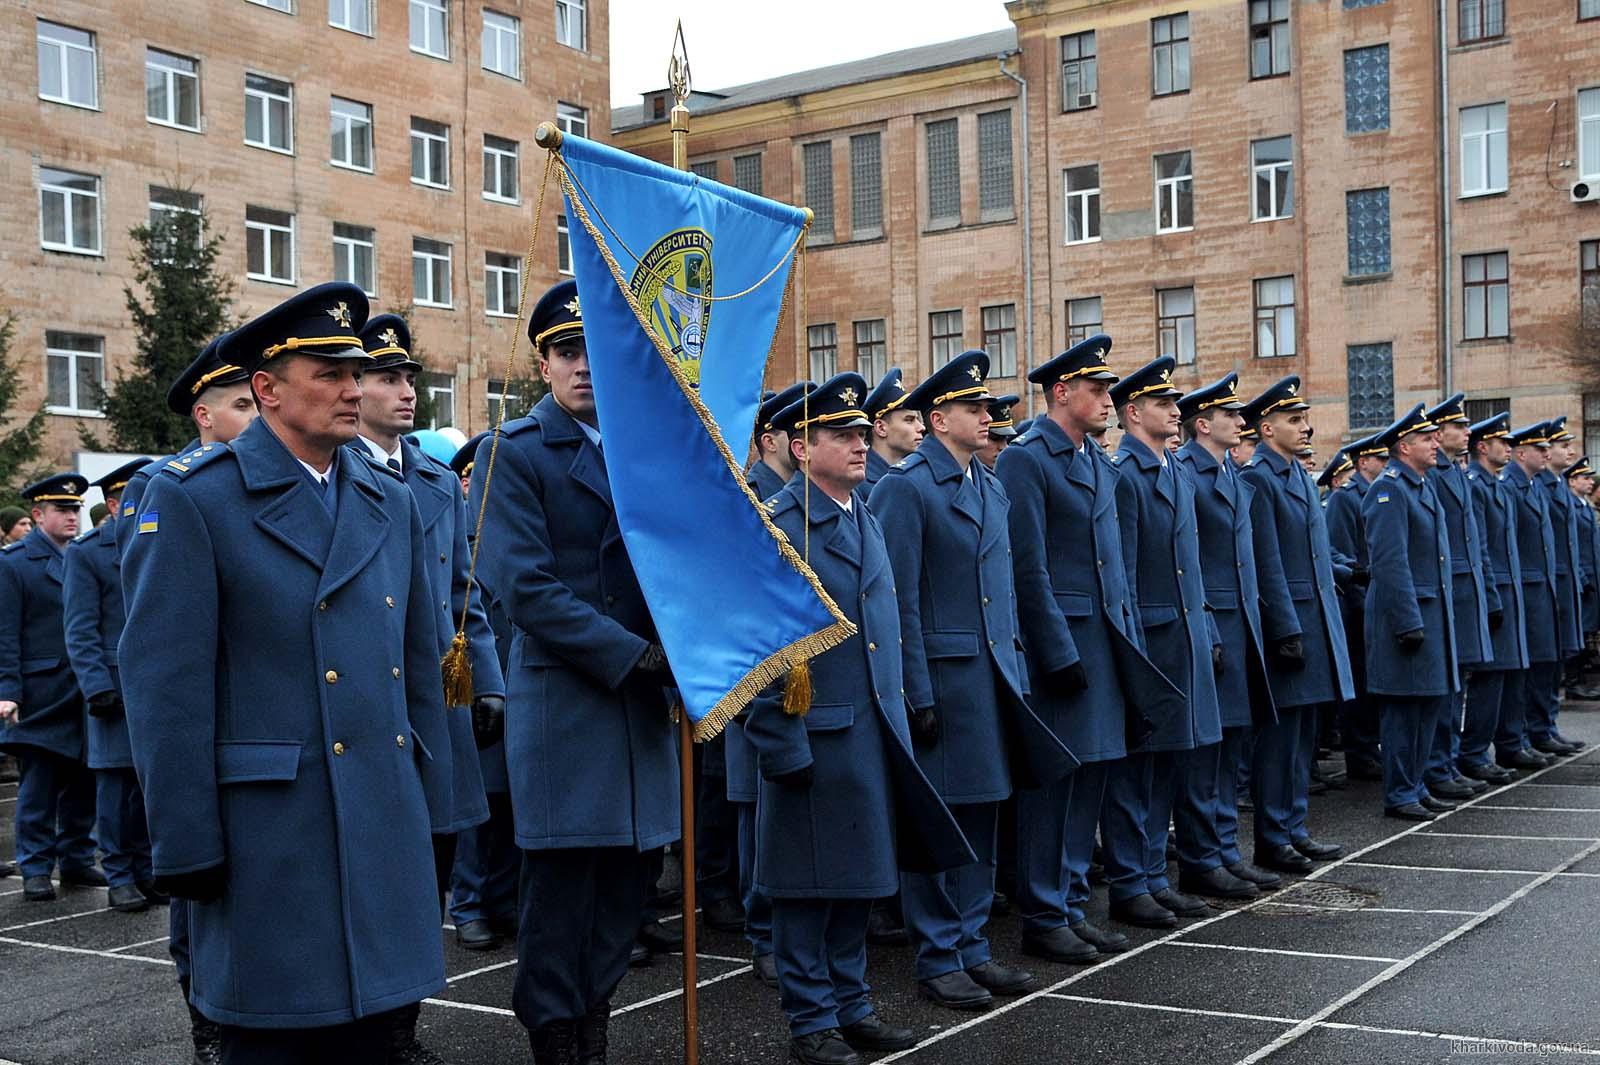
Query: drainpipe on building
(1027, 227)
(1446, 246)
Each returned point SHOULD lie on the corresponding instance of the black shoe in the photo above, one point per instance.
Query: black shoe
(822, 1048)
(885, 929)
(592, 1035)
(724, 915)
(125, 898)
(1361, 767)
(1183, 905)
(1409, 812)
(1318, 851)
(1477, 787)
(871, 1034)
(1060, 945)
(765, 968)
(206, 1035)
(1450, 789)
(555, 1043)
(956, 991)
(1259, 877)
(476, 935)
(1105, 940)
(1000, 979)
(1552, 746)
(1284, 859)
(1488, 773)
(1216, 883)
(38, 889)
(1576, 745)
(661, 938)
(1438, 806)
(88, 876)
(152, 894)
(640, 957)
(1143, 911)
(1523, 759)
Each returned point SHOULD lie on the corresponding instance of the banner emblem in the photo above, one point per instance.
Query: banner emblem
(673, 285)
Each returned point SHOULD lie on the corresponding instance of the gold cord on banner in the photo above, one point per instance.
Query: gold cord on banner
(797, 686)
(456, 666)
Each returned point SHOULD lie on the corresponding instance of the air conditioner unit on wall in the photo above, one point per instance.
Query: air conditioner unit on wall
(1085, 99)
(1586, 192)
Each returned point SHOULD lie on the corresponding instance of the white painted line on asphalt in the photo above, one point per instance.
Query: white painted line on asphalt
(1530, 784)
(498, 1011)
(1447, 869)
(136, 946)
(61, 949)
(1091, 1000)
(1294, 1034)
(1285, 953)
(715, 957)
(53, 920)
(501, 1011)
(1531, 839)
(1547, 809)
(1367, 909)
(479, 972)
(4, 801)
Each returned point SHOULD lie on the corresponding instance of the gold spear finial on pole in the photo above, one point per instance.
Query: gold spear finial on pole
(681, 83)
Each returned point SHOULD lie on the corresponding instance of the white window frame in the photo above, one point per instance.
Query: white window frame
(1086, 328)
(76, 405)
(264, 99)
(63, 47)
(429, 8)
(434, 382)
(449, 273)
(1589, 132)
(1484, 143)
(285, 6)
(68, 195)
(570, 118)
(1081, 210)
(500, 33)
(1167, 192)
(266, 229)
(170, 75)
(1280, 319)
(1178, 352)
(493, 155)
(494, 279)
(336, 118)
(567, 29)
(155, 207)
(345, 249)
(1274, 211)
(424, 135)
(496, 396)
(563, 246)
(349, 6)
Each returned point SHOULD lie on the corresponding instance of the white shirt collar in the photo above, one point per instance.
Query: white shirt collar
(333, 468)
(382, 455)
(846, 504)
(590, 431)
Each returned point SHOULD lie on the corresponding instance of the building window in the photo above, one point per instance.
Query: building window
(1080, 77)
(866, 185)
(499, 396)
(500, 275)
(1370, 372)
(430, 153)
(171, 89)
(1589, 134)
(1274, 317)
(441, 388)
(75, 372)
(944, 334)
(269, 245)
(165, 203)
(1269, 38)
(872, 351)
(1175, 324)
(818, 163)
(268, 113)
(747, 173)
(1588, 9)
(822, 345)
(707, 169)
(572, 27)
(430, 28)
(354, 257)
(1174, 193)
(1272, 178)
(501, 165)
(1351, 5)
(1366, 89)
(1482, 20)
(67, 65)
(996, 197)
(69, 211)
(352, 15)
(286, 6)
(563, 246)
(1082, 184)
(1478, 410)
(1589, 280)
(1367, 231)
(1084, 319)
(944, 172)
(570, 118)
(1485, 296)
(430, 273)
(351, 129)
(502, 44)
(1000, 339)
(1483, 149)
(1169, 52)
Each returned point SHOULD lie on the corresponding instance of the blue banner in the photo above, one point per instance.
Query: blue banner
(681, 295)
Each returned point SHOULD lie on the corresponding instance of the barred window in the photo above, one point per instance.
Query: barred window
(1370, 369)
(747, 173)
(866, 185)
(818, 160)
(995, 195)
(944, 172)
(1367, 231)
(1366, 89)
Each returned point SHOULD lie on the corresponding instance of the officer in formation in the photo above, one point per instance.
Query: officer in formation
(897, 428)
(1334, 476)
(1564, 519)
(1002, 429)
(1580, 479)
(1358, 718)
(773, 466)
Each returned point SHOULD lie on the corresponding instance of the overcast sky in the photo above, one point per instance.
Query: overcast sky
(730, 44)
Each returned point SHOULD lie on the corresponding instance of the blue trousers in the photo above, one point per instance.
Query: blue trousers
(483, 879)
(757, 907)
(1133, 822)
(945, 912)
(55, 813)
(1445, 741)
(121, 828)
(1275, 774)
(820, 949)
(1516, 706)
(716, 838)
(1232, 760)
(1407, 728)
(1485, 694)
(178, 941)
(1305, 755)
(1055, 843)
(1197, 809)
(1544, 703)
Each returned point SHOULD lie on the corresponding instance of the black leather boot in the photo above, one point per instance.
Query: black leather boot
(555, 1043)
(592, 1035)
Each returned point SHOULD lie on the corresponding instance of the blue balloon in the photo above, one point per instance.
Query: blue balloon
(435, 444)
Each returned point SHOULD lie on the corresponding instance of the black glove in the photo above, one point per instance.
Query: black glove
(1410, 642)
(924, 725)
(652, 664)
(202, 885)
(488, 720)
(1067, 682)
(796, 779)
(1496, 619)
(1290, 653)
(1217, 665)
(105, 705)
(1360, 576)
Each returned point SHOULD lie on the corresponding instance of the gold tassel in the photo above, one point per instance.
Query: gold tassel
(797, 689)
(457, 670)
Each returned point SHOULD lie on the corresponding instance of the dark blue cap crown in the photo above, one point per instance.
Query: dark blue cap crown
(556, 315)
(388, 340)
(1537, 435)
(777, 402)
(1282, 396)
(1414, 420)
(1000, 421)
(1219, 395)
(58, 488)
(889, 394)
(324, 321)
(1340, 462)
(1086, 358)
(1581, 468)
(1492, 428)
(962, 378)
(1153, 380)
(1368, 446)
(834, 404)
(1453, 409)
(206, 371)
(115, 481)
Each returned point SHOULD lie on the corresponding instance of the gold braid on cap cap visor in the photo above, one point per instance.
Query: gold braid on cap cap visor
(108, 489)
(1458, 417)
(57, 499)
(393, 349)
(1424, 426)
(296, 343)
(981, 392)
(205, 379)
(555, 331)
(1147, 389)
(1271, 408)
(1339, 467)
(828, 419)
(1374, 450)
(893, 404)
(1009, 423)
(1495, 434)
(1231, 397)
(1094, 368)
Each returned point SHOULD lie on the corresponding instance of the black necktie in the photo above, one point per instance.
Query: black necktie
(394, 464)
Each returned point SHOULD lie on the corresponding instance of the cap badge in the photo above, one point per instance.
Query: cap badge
(572, 306)
(340, 313)
(977, 374)
(848, 396)
(390, 337)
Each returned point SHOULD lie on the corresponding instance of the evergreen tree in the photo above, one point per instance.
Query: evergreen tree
(19, 444)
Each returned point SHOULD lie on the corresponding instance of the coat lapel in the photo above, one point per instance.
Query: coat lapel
(362, 528)
(428, 482)
(296, 518)
(39, 546)
(965, 497)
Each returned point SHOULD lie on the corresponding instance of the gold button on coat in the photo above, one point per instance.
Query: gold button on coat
(331, 677)
(338, 748)
(399, 741)
(396, 672)
(390, 599)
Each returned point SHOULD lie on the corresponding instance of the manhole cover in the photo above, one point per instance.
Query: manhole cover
(1319, 896)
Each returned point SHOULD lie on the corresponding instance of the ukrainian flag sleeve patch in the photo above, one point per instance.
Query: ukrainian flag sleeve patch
(149, 522)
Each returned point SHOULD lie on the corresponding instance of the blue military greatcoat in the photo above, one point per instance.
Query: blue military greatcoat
(1228, 566)
(1536, 552)
(1160, 536)
(1073, 597)
(93, 618)
(869, 812)
(1568, 560)
(1409, 552)
(1292, 547)
(1495, 508)
(738, 757)
(877, 466)
(1589, 556)
(34, 670)
(281, 676)
(591, 752)
(1472, 597)
(949, 543)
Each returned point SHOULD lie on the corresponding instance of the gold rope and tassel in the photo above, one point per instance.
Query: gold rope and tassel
(797, 689)
(457, 670)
